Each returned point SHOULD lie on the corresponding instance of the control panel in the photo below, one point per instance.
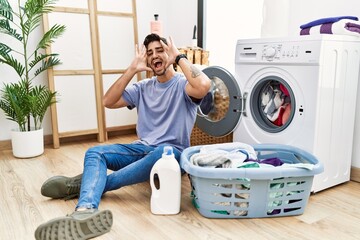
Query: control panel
(287, 52)
(278, 51)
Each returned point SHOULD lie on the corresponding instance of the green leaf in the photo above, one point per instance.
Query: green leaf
(31, 24)
(5, 10)
(53, 33)
(14, 63)
(7, 29)
(50, 62)
(14, 103)
(39, 58)
(40, 99)
(34, 8)
(4, 50)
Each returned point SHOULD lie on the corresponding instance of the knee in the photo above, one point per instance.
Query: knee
(94, 153)
(96, 149)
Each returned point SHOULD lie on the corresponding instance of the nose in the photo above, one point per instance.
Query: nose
(154, 54)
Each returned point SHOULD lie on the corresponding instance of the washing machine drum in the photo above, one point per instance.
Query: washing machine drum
(271, 104)
(220, 110)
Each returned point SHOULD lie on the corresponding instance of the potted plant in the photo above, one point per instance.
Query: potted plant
(22, 101)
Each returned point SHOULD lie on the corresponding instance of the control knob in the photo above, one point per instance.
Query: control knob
(270, 52)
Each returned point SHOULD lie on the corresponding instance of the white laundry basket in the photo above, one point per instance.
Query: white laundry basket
(252, 192)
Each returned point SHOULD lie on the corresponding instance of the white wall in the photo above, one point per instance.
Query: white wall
(307, 10)
(178, 21)
(178, 18)
(226, 22)
(231, 19)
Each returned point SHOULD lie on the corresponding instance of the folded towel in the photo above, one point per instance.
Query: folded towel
(353, 27)
(228, 155)
(342, 27)
(327, 20)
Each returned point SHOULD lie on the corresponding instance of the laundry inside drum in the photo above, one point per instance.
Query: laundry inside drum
(216, 104)
(276, 103)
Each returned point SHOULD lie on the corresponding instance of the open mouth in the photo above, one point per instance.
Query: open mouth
(157, 64)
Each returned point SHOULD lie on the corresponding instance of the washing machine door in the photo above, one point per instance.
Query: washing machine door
(220, 110)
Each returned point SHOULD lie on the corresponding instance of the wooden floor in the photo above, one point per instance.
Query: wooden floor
(331, 214)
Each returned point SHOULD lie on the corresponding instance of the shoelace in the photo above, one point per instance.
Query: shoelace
(73, 190)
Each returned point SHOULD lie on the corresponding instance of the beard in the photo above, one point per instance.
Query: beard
(160, 72)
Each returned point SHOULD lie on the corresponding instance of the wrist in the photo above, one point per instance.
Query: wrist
(132, 70)
(178, 57)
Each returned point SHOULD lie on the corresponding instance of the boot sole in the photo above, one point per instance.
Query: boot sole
(74, 229)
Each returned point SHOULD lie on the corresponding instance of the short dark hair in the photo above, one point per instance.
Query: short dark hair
(153, 37)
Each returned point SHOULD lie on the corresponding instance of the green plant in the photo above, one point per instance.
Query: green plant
(22, 101)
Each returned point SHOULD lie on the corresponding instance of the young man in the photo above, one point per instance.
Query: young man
(166, 105)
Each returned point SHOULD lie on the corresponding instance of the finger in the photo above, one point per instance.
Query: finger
(136, 50)
(143, 50)
(163, 44)
(170, 42)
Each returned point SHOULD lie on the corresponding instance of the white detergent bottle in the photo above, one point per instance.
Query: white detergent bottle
(166, 195)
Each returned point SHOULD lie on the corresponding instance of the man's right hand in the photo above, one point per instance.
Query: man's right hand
(139, 63)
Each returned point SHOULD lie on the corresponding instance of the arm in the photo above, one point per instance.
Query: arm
(113, 96)
(199, 83)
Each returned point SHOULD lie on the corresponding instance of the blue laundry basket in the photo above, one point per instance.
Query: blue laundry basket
(252, 192)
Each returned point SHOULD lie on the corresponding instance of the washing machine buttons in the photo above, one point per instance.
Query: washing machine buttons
(270, 52)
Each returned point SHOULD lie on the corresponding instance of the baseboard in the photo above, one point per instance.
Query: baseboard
(6, 144)
(48, 139)
(355, 174)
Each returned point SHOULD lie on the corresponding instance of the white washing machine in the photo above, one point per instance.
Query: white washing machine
(299, 91)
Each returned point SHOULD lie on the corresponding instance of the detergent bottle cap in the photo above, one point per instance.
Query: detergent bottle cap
(168, 151)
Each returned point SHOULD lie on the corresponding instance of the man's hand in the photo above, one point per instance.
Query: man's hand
(171, 50)
(139, 63)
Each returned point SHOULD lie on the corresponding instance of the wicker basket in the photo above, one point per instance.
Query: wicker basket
(198, 137)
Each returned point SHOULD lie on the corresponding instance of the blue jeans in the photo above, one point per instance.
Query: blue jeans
(130, 163)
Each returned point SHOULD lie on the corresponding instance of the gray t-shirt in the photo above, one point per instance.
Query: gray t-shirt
(166, 114)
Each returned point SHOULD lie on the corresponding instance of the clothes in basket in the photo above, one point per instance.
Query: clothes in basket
(244, 185)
